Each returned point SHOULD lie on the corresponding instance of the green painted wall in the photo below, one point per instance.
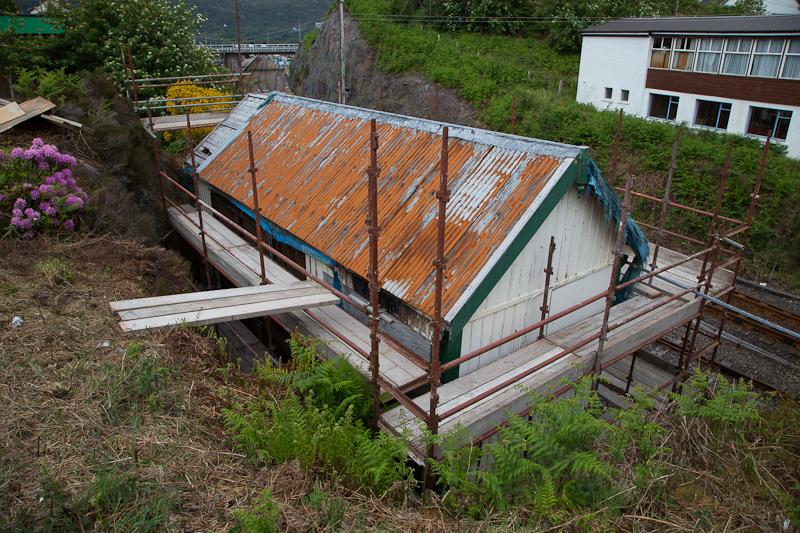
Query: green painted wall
(29, 25)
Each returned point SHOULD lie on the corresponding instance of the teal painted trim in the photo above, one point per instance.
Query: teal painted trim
(451, 349)
(282, 236)
(575, 173)
(29, 25)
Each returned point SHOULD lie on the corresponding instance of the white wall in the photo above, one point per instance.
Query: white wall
(740, 116)
(615, 62)
(622, 63)
(581, 265)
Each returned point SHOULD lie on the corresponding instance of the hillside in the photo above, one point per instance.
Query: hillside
(490, 72)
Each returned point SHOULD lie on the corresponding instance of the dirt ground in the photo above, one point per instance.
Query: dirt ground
(80, 399)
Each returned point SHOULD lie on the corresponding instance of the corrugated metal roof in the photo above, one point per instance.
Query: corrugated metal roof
(312, 158)
(731, 24)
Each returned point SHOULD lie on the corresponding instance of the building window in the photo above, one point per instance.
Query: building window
(791, 67)
(624, 94)
(769, 122)
(737, 56)
(661, 52)
(609, 92)
(713, 114)
(683, 54)
(663, 106)
(767, 57)
(709, 53)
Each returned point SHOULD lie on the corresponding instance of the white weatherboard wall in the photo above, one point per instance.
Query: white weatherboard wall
(581, 268)
(615, 62)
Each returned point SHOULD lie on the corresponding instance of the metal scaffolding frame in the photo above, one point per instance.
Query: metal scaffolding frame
(722, 229)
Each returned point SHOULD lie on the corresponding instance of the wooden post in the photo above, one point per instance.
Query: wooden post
(548, 271)
(196, 182)
(612, 284)
(256, 209)
(238, 44)
(665, 202)
(374, 281)
(435, 369)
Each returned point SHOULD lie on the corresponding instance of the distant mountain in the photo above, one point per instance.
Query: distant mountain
(260, 19)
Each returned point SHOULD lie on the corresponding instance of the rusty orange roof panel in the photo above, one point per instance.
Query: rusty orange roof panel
(311, 158)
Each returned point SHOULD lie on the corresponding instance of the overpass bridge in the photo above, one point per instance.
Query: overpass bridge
(254, 48)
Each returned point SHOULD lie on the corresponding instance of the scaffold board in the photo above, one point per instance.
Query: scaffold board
(211, 307)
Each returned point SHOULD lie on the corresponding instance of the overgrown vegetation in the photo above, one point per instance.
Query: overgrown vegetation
(320, 421)
(560, 20)
(492, 71)
(572, 461)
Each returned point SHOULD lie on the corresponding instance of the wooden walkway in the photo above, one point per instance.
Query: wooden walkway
(239, 261)
(226, 305)
(178, 122)
(493, 410)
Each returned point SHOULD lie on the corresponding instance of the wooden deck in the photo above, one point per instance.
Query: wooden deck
(178, 122)
(238, 260)
(493, 410)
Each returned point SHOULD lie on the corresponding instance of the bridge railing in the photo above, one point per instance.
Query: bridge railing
(253, 48)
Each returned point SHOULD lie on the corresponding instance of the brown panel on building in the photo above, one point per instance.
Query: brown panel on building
(767, 90)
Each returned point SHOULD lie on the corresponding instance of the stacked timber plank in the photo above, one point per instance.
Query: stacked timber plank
(12, 113)
(178, 122)
(211, 307)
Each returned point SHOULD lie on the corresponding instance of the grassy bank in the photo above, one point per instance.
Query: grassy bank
(490, 71)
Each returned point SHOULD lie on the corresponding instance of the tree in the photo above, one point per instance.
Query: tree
(159, 33)
(8, 7)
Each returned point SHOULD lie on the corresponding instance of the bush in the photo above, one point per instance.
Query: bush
(55, 85)
(176, 141)
(38, 192)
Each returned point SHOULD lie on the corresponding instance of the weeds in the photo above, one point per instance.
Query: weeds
(139, 386)
(112, 501)
(262, 518)
(56, 271)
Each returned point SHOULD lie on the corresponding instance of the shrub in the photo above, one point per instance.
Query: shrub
(55, 85)
(176, 141)
(38, 192)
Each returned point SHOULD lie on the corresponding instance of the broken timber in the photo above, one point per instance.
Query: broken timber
(211, 307)
(30, 108)
(178, 122)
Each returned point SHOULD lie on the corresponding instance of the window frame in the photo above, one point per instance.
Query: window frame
(668, 50)
(624, 95)
(671, 98)
(608, 93)
(726, 53)
(719, 112)
(719, 53)
(780, 114)
(786, 55)
(691, 51)
(780, 54)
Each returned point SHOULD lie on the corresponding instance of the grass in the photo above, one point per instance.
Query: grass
(492, 71)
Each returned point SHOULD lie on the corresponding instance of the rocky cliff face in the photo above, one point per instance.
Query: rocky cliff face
(315, 74)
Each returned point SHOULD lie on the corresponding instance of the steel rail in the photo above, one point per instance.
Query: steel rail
(684, 207)
(528, 329)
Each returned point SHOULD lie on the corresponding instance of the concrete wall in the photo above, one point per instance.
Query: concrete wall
(615, 62)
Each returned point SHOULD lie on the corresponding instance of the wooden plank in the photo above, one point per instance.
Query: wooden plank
(138, 303)
(32, 108)
(10, 112)
(227, 314)
(217, 303)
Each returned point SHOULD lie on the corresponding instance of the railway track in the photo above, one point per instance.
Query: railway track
(766, 310)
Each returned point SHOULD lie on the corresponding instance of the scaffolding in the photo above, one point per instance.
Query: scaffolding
(719, 251)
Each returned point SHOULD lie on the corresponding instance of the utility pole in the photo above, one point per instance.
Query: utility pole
(341, 52)
(238, 39)
(299, 35)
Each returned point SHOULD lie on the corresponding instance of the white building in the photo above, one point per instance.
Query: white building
(729, 74)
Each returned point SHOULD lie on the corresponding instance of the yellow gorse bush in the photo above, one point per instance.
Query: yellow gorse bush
(187, 89)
